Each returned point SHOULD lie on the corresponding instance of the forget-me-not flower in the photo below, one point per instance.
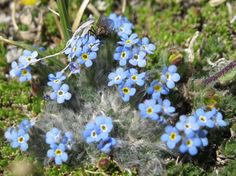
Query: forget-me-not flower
(105, 126)
(171, 136)
(138, 57)
(205, 118)
(128, 41)
(18, 139)
(53, 136)
(122, 54)
(187, 124)
(157, 89)
(170, 76)
(58, 153)
(149, 109)
(56, 80)
(86, 56)
(126, 91)
(117, 77)
(28, 57)
(167, 109)
(91, 133)
(146, 46)
(61, 94)
(135, 77)
(190, 144)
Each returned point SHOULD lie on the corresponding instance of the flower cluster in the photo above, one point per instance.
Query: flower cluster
(130, 53)
(121, 24)
(22, 68)
(98, 131)
(156, 108)
(18, 137)
(59, 142)
(190, 133)
(80, 50)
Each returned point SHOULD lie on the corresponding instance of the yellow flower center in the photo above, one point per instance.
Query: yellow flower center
(144, 47)
(103, 127)
(187, 125)
(123, 54)
(168, 76)
(117, 78)
(60, 93)
(93, 134)
(20, 139)
(24, 72)
(149, 110)
(121, 29)
(202, 118)
(85, 56)
(29, 59)
(125, 90)
(189, 143)
(173, 136)
(128, 41)
(56, 81)
(74, 48)
(157, 88)
(136, 56)
(134, 77)
(58, 152)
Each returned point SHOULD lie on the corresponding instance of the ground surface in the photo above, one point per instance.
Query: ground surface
(173, 26)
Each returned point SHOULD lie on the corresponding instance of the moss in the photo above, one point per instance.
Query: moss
(229, 149)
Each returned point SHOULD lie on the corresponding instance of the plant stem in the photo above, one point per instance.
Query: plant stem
(21, 45)
(64, 19)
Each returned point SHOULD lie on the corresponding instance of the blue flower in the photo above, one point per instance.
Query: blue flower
(128, 41)
(171, 137)
(20, 71)
(74, 67)
(28, 57)
(10, 134)
(25, 125)
(157, 89)
(56, 80)
(53, 136)
(86, 56)
(61, 94)
(122, 55)
(167, 109)
(202, 135)
(91, 133)
(92, 42)
(58, 153)
(17, 138)
(125, 28)
(106, 145)
(126, 91)
(219, 120)
(205, 118)
(190, 144)
(117, 77)
(138, 57)
(169, 76)
(74, 49)
(146, 46)
(68, 140)
(105, 126)
(136, 78)
(149, 109)
(187, 124)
